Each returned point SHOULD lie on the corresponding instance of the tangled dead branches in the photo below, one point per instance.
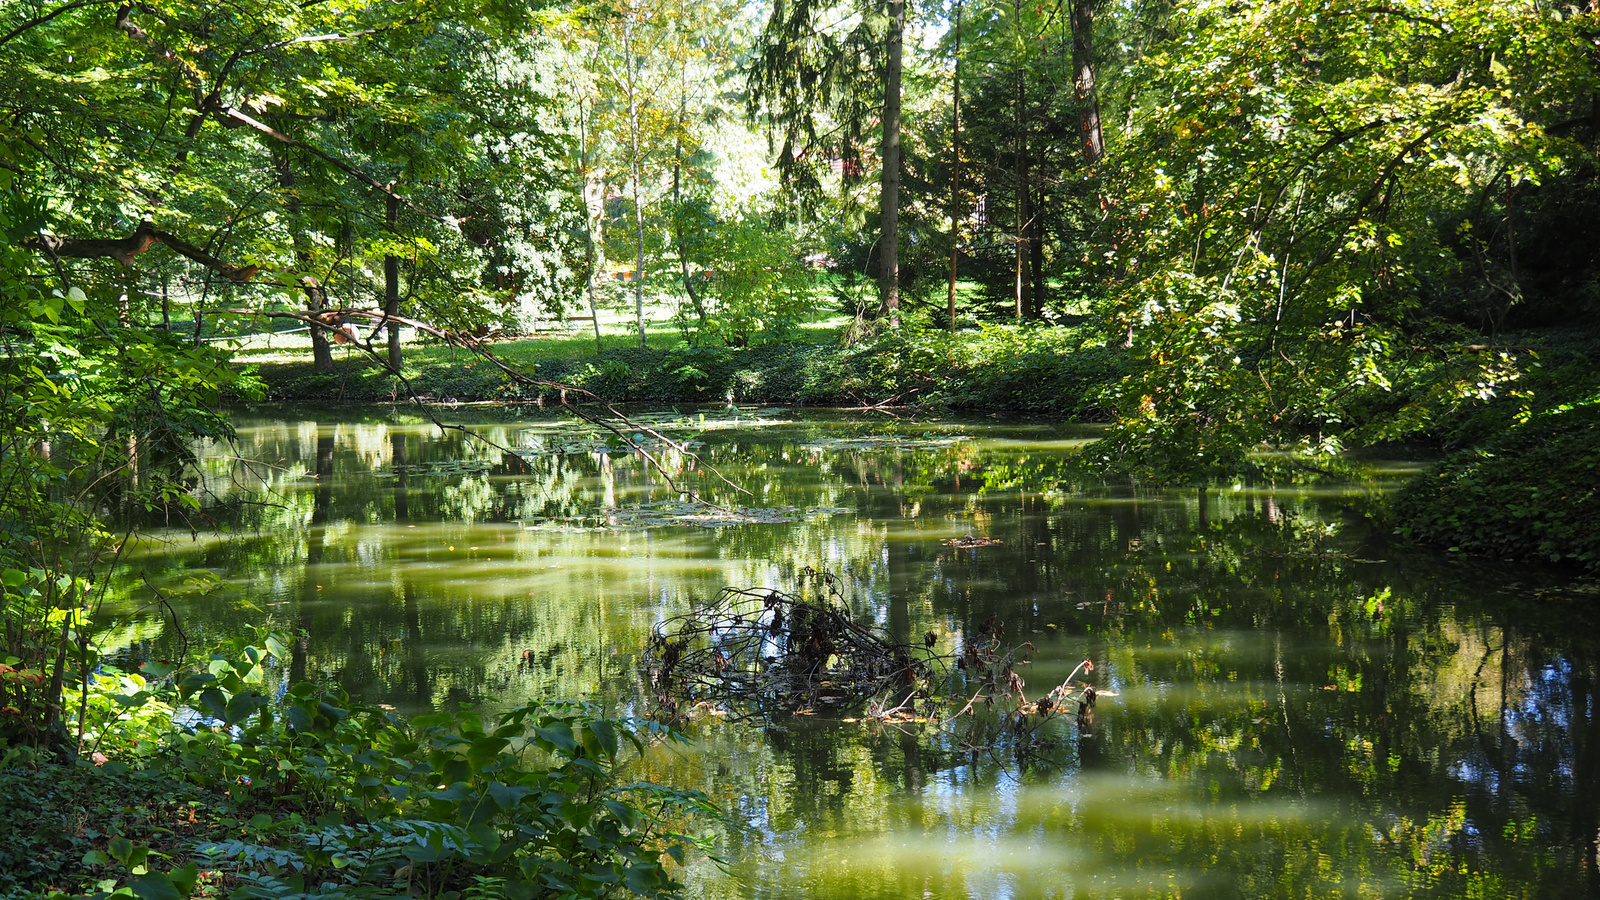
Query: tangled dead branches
(755, 652)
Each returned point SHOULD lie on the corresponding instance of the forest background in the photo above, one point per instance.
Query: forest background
(1307, 226)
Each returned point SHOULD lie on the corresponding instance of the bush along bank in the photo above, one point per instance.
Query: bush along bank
(1055, 372)
(1519, 481)
(1532, 494)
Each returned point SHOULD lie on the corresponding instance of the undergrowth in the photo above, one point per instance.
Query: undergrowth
(311, 795)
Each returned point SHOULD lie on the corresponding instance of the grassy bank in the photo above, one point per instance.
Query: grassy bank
(1037, 371)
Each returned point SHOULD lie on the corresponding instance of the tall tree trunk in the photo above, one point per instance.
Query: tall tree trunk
(1094, 145)
(1035, 255)
(592, 185)
(683, 246)
(955, 168)
(677, 196)
(1022, 275)
(636, 171)
(889, 245)
(316, 296)
(391, 282)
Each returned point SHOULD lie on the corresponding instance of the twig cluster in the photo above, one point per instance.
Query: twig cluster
(756, 652)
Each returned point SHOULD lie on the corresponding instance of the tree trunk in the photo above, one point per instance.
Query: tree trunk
(638, 264)
(1022, 275)
(683, 246)
(889, 244)
(636, 172)
(391, 282)
(316, 296)
(955, 168)
(1094, 146)
(592, 184)
(1035, 257)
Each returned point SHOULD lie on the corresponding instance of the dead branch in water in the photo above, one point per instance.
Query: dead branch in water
(761, 652)
(755, 651)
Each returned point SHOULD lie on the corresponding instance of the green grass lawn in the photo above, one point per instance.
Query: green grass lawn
(572, 340)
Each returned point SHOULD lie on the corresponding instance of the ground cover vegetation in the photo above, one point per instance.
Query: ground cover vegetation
(1308, 225)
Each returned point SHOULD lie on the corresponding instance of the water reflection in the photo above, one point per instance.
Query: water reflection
(1300, 709)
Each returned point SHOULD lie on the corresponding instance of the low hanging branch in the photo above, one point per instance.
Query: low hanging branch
(124, 250)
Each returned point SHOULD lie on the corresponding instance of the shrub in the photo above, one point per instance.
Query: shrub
(1531, 494)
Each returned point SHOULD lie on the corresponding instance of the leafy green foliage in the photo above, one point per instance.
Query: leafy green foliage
(313, 794)
(1290, 187)
(1529, 495)
(98, 422)
(759, 288)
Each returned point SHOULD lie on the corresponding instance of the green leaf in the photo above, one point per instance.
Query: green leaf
(558, 737)
(184, 878)
(241, 707)
(507, 796)
(120, 849)
(485, 750)
(156, 886)
(215, 703)
(625, 815)
(605, 735)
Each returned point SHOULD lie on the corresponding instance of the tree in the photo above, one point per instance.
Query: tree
(1299, 176)
(826, 74)
(257, 145)
(97, 415)
(1022, 173)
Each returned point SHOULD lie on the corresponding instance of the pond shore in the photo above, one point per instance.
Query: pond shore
(1047, 372)
(1051, 373)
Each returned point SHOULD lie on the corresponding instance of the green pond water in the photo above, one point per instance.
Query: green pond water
(1292, 705)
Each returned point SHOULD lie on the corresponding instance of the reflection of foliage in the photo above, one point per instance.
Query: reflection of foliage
(680, 512)
(1281, 685)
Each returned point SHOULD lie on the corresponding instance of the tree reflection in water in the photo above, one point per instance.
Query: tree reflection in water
(1302, 709)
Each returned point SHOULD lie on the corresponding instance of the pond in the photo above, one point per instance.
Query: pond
(1292, 705)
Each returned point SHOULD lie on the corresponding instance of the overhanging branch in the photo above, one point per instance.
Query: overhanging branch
(125, 250)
